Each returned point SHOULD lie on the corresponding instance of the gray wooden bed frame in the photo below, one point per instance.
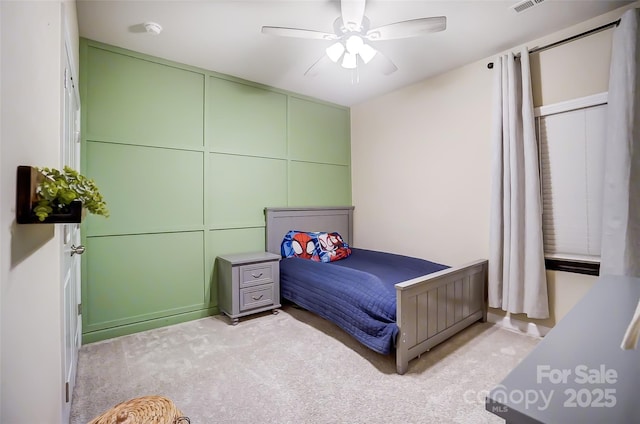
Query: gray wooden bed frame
(430, 309)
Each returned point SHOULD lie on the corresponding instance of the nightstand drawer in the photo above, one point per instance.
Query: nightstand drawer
(255, 297)
(251, 275)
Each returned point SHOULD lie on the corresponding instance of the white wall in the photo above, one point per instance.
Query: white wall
(31, 387)
(419, 173)
(1, 213)
(421, 157)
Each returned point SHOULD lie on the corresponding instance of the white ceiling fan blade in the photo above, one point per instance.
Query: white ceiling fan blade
(352, 13)
(298, 33)
(383, 64)
(411, 28)
(317, 66)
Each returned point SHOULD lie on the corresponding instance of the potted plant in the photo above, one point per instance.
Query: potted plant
(58, 189)
(58, 192)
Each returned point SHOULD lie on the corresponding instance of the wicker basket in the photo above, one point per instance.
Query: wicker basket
(143, 410)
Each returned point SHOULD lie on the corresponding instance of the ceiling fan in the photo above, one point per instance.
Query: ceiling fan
(353, 34)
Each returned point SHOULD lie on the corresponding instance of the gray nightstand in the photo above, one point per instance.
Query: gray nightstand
(248, 283)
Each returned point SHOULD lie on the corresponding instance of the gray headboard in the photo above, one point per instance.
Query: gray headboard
(282, 220)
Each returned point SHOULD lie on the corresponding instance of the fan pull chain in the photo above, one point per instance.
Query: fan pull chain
(355, 76)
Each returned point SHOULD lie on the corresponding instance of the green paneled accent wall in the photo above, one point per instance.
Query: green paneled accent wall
(187, 160)
(318, 132)
(241, 186)
(331, 184)
(246, 120)
(143, 276)
(141, 102)
(146, 189)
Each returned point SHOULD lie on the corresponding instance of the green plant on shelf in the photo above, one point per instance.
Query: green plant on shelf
(59, 188)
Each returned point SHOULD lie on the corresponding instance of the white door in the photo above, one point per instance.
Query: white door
(71, 248)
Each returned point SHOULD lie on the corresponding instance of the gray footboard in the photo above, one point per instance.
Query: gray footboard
(432, 308)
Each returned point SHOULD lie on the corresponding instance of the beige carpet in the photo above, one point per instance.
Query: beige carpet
(294, 367)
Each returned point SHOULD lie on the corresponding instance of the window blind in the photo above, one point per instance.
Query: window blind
(572, 141)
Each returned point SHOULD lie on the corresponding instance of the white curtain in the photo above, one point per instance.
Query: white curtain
(621, 209)
(517, 278)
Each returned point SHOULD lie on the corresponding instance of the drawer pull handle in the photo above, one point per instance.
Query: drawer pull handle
(256, 276)
(257, 298)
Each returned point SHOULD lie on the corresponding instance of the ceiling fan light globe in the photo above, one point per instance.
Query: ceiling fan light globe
(367, 53)
(354, 43)
(335, 51)
(349, 61)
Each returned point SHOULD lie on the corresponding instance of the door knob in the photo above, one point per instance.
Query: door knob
(77, 249)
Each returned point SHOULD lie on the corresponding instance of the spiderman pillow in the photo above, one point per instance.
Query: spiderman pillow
(301, 245)
(332, 247)
(319, 247)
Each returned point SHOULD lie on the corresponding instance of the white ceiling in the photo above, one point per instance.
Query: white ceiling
(225, 36)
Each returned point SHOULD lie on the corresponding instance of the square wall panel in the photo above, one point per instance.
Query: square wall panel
(239, 240)
(132, 100)
(246, 120)
(241, 187)
(146, 189)
(138, 277)
(314, 184)
(319, 132)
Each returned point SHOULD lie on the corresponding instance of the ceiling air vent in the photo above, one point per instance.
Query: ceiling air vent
(525, 5)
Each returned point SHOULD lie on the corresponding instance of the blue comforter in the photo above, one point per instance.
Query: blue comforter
(356, 293)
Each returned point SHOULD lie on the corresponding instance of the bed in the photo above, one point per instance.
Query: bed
(428, 308)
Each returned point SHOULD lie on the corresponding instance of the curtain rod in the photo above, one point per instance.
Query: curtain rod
(567, 40)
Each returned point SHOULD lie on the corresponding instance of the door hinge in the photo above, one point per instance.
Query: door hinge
(66, 390)
(79, 308)
(66, 77)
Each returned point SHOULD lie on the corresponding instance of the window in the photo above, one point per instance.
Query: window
(571, 137)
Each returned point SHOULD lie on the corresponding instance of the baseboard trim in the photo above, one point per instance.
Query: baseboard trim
(517, 325)
(124, 330)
